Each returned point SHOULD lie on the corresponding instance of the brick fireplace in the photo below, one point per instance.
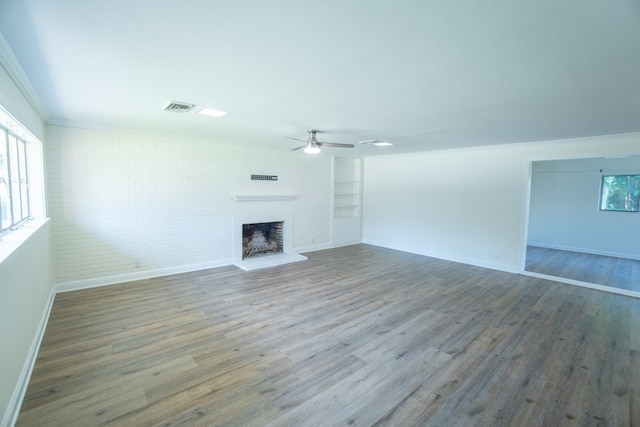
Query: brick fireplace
(263, 238)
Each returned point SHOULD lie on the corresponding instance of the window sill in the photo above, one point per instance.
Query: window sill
(11, 243)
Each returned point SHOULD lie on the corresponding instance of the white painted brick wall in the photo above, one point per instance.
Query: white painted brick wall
(124, 202)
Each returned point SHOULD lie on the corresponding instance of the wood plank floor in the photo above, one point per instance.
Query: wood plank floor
(621, 273)
(357, 335)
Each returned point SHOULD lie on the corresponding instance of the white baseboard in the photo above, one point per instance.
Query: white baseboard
(509, 269)
(138, 275)
(323, 246)
(312, 248)
(448, 257)
(341, 245)
(584, 251)
(148, 274)
(588, 285)
(15, 403)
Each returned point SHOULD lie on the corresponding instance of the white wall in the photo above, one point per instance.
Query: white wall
(564, 210)
(25, 286)
(26, 277)
(124, 203)
(467, 205)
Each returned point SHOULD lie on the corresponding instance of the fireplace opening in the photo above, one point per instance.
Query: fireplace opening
(263, 238)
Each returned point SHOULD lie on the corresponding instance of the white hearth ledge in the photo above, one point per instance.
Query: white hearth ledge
(266, 261)
(258, 198)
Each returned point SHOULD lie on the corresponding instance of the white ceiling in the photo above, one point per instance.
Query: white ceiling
(423, 74)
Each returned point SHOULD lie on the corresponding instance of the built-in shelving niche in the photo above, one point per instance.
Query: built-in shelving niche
(346, 192)
(347, 176)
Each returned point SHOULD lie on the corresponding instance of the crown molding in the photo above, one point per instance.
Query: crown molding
(9, 61)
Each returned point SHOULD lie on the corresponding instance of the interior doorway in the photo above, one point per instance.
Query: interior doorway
(569, 237)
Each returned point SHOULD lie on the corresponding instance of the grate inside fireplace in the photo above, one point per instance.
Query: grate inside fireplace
(262, 238)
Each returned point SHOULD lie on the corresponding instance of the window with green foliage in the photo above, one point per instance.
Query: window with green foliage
(620, 193)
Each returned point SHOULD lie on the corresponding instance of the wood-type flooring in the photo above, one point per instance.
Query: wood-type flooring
(357, 335)
(620, 273)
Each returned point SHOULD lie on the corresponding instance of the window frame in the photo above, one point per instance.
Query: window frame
(15, 197)
(602, 202)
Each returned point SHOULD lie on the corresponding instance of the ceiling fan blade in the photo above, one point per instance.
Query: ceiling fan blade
(296, 139)
(297, 148)
(335, 144)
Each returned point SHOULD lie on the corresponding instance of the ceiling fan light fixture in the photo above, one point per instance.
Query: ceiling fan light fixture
(310, 149)
(312, 145)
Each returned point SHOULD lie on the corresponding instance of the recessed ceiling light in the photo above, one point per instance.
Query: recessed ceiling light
(212, 113)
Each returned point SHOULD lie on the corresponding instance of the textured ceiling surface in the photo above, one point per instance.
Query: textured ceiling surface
(424, 75)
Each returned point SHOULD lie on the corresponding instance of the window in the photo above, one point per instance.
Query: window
(14, 187)
(620, 193)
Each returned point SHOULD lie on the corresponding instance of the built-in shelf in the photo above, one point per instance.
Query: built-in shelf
(346, 226)
(262, 198)
(346, 190)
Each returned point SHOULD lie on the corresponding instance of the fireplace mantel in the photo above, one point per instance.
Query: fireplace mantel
(262, 198)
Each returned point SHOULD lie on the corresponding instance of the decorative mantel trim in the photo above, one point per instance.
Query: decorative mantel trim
(264, 198)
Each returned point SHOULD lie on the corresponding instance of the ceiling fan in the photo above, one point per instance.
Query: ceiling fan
(312, 145)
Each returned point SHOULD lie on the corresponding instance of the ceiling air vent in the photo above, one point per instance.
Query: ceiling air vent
(177, 107)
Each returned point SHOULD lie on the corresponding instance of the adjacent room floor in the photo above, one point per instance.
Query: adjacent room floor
(620, 273)
(355, 335)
